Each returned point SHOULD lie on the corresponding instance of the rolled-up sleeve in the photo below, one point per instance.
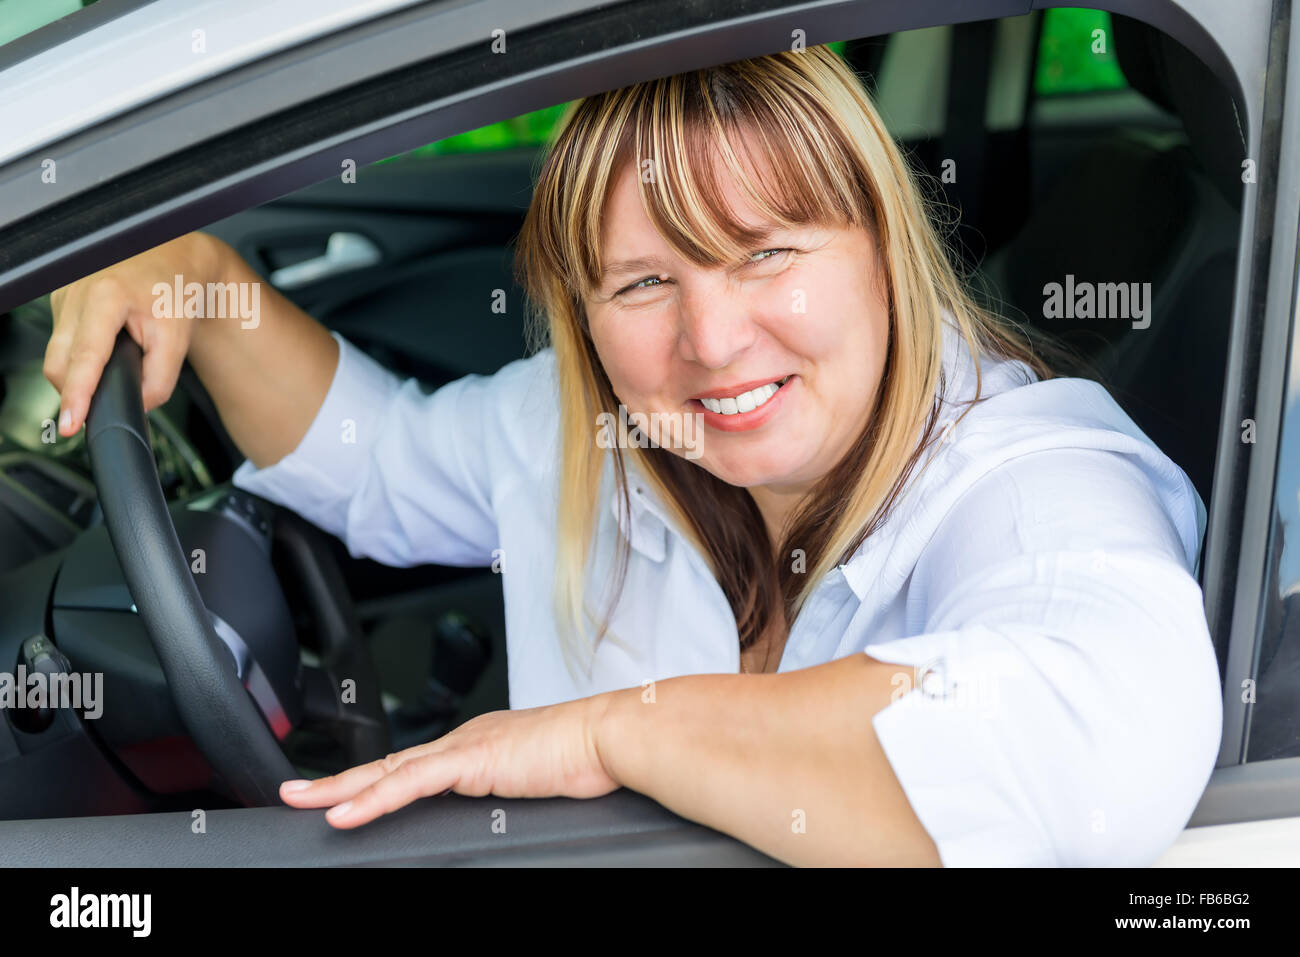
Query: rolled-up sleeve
(402, 475)
(1065, 705)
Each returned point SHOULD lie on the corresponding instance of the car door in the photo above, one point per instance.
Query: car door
(1250, 813)
(302, 114)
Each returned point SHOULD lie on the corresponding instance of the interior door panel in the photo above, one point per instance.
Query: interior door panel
(440, 302)
(430, 307)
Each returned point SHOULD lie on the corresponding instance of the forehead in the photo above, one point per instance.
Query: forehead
(627, 229)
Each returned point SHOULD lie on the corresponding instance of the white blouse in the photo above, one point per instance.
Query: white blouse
(1039, 574)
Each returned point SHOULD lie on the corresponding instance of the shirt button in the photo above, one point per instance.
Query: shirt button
(933, 679)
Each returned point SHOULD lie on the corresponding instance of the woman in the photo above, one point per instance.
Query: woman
(882, 589)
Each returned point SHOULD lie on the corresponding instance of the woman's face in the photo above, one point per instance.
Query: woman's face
(780, 354)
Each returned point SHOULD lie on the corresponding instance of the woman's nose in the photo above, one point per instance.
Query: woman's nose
(717, 325)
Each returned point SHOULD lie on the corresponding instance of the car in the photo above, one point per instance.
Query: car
(373, 162)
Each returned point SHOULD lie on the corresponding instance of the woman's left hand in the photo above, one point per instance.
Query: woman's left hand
(535, 752)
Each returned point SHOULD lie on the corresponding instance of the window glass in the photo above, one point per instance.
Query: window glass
(20, 17)
(1272, 696)
(1076, 53)
(530, 129)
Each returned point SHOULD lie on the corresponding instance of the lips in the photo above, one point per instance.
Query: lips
(746, 400)
(742, 407)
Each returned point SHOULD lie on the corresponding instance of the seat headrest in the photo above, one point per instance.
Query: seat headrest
(1174, 78)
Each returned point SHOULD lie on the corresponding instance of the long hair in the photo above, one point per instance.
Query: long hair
(832, 162)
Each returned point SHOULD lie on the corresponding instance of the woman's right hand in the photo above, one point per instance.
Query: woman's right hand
(89, 313)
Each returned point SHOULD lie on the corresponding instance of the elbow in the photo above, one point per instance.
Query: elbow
(1147, 774)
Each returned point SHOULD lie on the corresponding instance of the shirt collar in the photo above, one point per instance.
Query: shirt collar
(869, 565)
(858, 571)
(646, 525)
(646, 528)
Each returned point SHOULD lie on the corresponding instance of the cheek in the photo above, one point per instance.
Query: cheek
(636, 354)
(829, 314)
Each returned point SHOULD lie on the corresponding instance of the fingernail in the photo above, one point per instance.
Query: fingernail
(288, 787)
(341, 811)
(65, 420)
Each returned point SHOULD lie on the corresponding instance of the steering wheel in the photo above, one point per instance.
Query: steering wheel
(201, 673)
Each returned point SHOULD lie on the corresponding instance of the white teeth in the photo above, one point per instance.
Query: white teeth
(746, 401)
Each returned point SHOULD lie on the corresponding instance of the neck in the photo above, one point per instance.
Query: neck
(776, 506)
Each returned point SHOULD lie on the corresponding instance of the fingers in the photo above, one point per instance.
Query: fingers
(65, 304)
(92, 344)
(367, 791)
(88, 317)
(419, 777)
(327, 791)
(165, 349)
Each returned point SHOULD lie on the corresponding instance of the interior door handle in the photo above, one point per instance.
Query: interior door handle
(343, 253)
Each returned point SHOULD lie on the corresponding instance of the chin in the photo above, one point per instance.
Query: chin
(749, 474)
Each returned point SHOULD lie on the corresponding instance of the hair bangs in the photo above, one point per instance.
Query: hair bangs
(688, 136)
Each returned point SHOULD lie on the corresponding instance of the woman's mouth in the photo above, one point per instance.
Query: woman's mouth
(744, 401)
(744, 407)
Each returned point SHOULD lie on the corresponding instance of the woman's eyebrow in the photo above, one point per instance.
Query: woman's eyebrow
(652, 264)
(644, 264)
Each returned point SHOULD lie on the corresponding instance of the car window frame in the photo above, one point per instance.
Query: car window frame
(99, 225)
(1284, 500)
(1264, 309)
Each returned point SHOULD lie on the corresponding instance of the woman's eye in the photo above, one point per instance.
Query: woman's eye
(649, 282)
(652, 282)
(766, 255)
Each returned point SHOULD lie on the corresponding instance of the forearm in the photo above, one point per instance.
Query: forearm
(267, 378)
(788, 763)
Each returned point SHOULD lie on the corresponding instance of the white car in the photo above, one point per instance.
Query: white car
(1091, 146)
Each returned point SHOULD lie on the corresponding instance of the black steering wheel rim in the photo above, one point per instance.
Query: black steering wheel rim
(201, 673)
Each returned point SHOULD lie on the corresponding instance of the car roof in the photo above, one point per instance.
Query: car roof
(148, 51)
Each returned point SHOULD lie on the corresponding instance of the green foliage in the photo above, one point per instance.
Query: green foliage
(530, 129)
(1067, 62)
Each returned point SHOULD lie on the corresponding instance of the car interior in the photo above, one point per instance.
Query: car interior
(1139, 179)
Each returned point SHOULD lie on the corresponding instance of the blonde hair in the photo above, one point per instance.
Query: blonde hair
(833, 162)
